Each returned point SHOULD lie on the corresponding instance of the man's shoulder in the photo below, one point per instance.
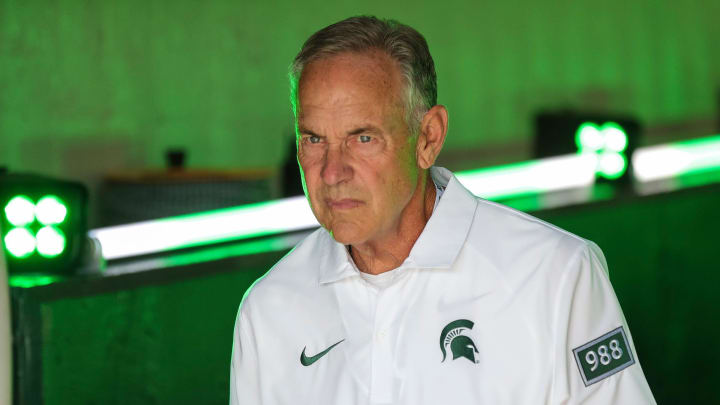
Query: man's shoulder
(501, 219)
(510, 238)
(497, 225)
(522, 255)
(297, 271)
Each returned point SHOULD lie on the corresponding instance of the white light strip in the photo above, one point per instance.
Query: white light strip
(667, 161)
(147, 237)
(272, 244)
(546, 175)
(292, 214)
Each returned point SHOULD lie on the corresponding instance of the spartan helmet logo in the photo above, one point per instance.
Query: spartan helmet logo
(460, 345)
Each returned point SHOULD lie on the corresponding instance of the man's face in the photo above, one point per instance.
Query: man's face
(356, 155)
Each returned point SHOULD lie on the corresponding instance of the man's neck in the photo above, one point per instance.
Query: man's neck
(390, 251)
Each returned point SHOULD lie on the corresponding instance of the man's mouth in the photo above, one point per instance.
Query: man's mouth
(342, 203)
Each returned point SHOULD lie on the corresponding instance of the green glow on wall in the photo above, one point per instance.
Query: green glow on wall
(140, 75)
(31, 280)
(222, 252)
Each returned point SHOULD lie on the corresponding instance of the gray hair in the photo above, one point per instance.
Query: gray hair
(365, 33)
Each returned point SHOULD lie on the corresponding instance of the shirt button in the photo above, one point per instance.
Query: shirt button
(381, 335)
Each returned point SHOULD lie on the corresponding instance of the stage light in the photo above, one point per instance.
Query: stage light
(611, 165)
(20, 242)
(20, 211)
(612, 139)
(609, 142)
(589, 138)
(51, 241)
(50, 210)
(44, 223)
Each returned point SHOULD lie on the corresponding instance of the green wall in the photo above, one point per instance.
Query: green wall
(92, 86)
(150, 345)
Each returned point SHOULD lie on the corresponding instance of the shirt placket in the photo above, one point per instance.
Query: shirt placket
(383, 382)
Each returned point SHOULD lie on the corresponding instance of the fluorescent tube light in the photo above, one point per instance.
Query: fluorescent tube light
(204, 228)
(536, 176)
(661, 162)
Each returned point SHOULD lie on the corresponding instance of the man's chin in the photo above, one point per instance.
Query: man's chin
(347, 234)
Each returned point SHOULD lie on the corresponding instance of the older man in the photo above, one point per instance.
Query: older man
(414, 291)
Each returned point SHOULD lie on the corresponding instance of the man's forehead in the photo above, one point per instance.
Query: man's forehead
(351, 91)
(370, 60)
(348, 117)
(349, 76)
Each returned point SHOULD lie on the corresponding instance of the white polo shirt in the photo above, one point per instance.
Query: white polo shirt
(492, 306)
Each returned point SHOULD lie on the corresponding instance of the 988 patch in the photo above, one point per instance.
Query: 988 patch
(604, 356)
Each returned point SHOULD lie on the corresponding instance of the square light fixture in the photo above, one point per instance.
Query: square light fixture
(43, 223)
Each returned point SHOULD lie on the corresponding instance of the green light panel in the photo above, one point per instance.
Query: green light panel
(609, 142)
(21, 212)
(609, 137)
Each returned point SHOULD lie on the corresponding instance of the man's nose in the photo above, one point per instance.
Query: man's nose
(336, 168)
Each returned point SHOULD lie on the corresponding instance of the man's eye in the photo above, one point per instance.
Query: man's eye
(365, 138)
(313, 139)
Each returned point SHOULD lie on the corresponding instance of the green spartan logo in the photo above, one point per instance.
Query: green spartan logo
(608, 142)
(453, 336)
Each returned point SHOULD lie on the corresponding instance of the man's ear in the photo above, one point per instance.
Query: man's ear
(433, 129)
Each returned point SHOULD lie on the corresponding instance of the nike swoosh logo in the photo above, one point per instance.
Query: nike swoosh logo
(308, 360)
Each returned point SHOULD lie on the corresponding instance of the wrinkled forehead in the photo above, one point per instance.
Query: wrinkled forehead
(345, 77)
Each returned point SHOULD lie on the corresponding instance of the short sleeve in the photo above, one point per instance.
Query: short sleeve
(244, 364)
(595, 361)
